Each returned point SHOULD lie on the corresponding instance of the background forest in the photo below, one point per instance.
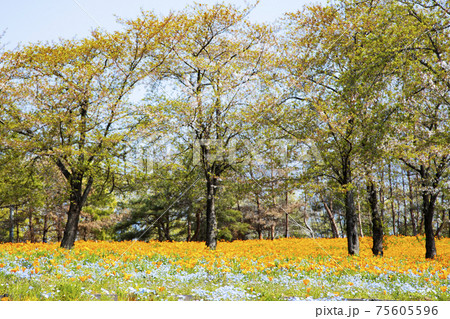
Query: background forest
(203, 126)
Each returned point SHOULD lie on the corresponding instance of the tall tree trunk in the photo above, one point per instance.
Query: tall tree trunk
(382, 195)
(341, 224)
(30, 225)
(71, 229)
(422, 221)
(17, 229)
(198, 223)
(77, 200)
(429, 201)
(361, 233)
(59, 231)
(286, 223)
(259, 228)
(399, 217)
(405, 205)
(411, 204)
(211, 220)
(377, 223)
(441, 226)
(330, 214)
(188, 238)
(352, 223)
(160, 231)
(167, 227)
(351, 218)
(45, 229)
(391, 199)
(449, 223)
(420, 230)
(11, 223)
(286, 226)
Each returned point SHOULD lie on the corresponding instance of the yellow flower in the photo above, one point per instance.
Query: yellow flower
(126, 276)
(444, 288)
(306, 282)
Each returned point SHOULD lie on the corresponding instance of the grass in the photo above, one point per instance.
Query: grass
(284, 269)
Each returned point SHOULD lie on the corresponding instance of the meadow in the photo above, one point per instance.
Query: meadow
(282, 269)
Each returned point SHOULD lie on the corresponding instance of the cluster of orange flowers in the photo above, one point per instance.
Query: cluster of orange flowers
(299, 259)
(402, 255)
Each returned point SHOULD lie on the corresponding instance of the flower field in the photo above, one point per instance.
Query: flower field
(283, 269)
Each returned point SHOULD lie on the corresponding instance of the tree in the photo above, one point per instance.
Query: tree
(421, 137)
(336, 92)
(72, 105)
(163, 211)
(213, 67)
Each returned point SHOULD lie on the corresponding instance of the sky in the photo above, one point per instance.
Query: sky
(29, 21)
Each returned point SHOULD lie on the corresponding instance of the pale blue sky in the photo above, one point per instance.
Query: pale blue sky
(42, 20)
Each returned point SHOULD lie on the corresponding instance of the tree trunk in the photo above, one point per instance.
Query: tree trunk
(198, 223)
(429, 201)
(334, 228)
(45, 229)
(30, 226)
(411, 204)
(71, 229)
(188, 238)
(341, 224)
(429, 197)
(441, 226)
(259, 227)
(167, 228)
(382, 204)
(377, 223)
(160, 231)
(17, 229)
(286, 228)
(422, 220)
(391, 200)
(11, 223)
(352, 223)
(405, 205)
(211, 220)
(78, 198)
(361, 233)
(59, 232)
